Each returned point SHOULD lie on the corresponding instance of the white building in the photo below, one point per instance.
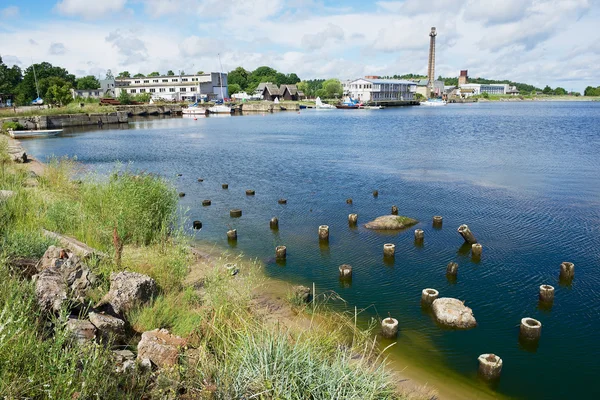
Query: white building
(368, 89)
(474, 89)
(106, 89)
(208, 86)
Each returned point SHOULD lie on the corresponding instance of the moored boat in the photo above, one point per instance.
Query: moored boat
(434, 103)
(34, 133)
(323, 106)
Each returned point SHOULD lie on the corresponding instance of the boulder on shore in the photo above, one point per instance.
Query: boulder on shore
(82, 329)
(160, 347)
(453, 313)
(391, 223)
(61, 276)
(109, 327)
(127, 289)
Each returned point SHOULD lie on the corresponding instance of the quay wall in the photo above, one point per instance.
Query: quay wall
(150, 109)
(68, 120)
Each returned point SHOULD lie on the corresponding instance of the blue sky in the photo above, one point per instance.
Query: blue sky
(536, 41)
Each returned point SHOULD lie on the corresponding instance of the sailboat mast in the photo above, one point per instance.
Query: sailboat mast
(36, 84)
(221, 76)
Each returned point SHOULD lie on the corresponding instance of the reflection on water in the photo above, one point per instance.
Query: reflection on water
(525, 177)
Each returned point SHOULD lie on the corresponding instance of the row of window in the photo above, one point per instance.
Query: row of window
(166, 80)
(162, 90)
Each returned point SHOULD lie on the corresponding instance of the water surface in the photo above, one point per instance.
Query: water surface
(525, 177)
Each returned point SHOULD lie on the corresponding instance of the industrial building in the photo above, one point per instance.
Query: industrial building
(208, 86)
(370, 89)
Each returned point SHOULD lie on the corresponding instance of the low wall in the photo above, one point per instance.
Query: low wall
(150, 109)
(269, 106)
(67, 120)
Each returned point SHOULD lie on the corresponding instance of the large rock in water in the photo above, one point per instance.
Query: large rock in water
(160, 347)
(453, 313)
(62, 276)
(127, 289)
(391, 223)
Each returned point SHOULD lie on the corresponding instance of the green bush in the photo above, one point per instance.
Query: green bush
(11, 125)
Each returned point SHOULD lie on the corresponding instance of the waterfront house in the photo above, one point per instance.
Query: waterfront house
(209, 86)
(106, 89)
(268, 91)
(371, 89)
(474, 89)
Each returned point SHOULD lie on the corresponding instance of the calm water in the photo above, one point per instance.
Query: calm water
(525, 177)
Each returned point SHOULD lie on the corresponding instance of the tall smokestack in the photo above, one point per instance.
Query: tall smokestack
(431, 67)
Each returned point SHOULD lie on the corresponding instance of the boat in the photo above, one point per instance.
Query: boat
(194, 109)
(349, 104)
(38, 101)
(373, 107)
(434, 103)
(323, 106)
(33, 133)
(302, 106)
(220, 108)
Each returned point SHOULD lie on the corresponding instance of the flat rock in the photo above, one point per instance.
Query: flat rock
(160, 347)
(83, 330)
(81, 249)
(453, 313)
(391, 223)
(127, 289)
(109, 327)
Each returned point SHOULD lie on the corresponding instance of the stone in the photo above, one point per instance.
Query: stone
(73, 245)
(53, 257)
(83, 330)
(160, 347)
(124, 360)
(389, 328)
(127, 289)
(453, 313)
(6, 194)
(302, 293)
(391, 223)
(50, 290)
(109, 327)
(79, 278)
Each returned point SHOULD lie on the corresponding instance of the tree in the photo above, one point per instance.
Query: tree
(181, 72)
(170, 73)
(560, 91)
(124, 97)
(87, 83)
(333, 88)
(485, 95)
(124, 74)
(547, 90)
(292, 79)
(44, 85)
(9, 78)
(592, 91)
(200, 73)
(142, 97)
(26, 90)
(154, 74)
(234, 88)
(264, 71)
(139, 75)
(109, 75)
(59, 95)
(238, 76)
(321, 93)
(303, 87)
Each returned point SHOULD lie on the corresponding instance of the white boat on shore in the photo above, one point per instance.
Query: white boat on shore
(323, 106)
(194, 110)
(34, 133)
(373, 107)
(434, 103)
(220, 109)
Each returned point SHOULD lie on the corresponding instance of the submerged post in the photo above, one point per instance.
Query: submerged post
(250, 192)
(389, 328)
(345, 271)
(375, 193)
(225, 186)
(235, 213)
(232, 234)
(389, 250)
(567, 271)
(348, 201)
(274, 223)
(429, 295)
(452, 269)
(438, 221)
(282, 201)
(419, 234)
(530, 329)
(546, 293)
(467, 235)
(206, 203)
(353, 219)
(324, 233)
(280, 252)
(476, 249)
(394, 210)
(197, 225)
(490, 366)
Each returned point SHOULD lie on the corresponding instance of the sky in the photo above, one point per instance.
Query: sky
(541, 42)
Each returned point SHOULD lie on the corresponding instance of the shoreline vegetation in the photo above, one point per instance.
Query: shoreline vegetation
(244, 335)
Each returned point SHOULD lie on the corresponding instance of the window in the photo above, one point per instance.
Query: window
(174, 80)
(165, 80)
(184, 79)
(132, 91)
(182, 89)
(146, 81)
(142, 90)
(162, 89)
(152, 90)
(194, 79)
(192, 89)
(155, 81)
(171, 89)
(137, 81)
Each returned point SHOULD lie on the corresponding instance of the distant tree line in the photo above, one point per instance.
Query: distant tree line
(592, 91)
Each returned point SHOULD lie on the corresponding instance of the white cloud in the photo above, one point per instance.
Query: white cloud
(502, 11)
(10, 12)
(131, 49)
(89, 9)
(57, 49)
(313, 41)
(11, 60)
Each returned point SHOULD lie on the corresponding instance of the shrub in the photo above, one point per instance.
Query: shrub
(11, 125)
